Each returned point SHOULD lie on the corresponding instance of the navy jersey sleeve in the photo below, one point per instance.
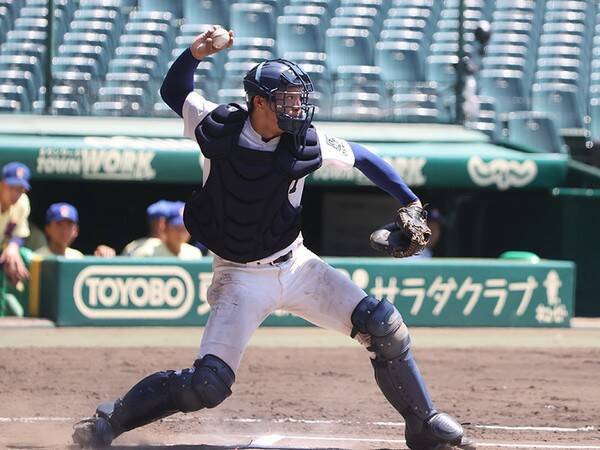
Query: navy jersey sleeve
(179, 81)
(382, 174)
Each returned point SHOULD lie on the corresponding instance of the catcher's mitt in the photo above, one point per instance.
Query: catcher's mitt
(407, 236)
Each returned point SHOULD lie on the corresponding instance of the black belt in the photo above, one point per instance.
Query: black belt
(281, 259)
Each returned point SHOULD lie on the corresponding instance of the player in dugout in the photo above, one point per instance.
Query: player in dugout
(248, 212)
(14, 213)
(175, 241)
(62, 228)
(156, 214)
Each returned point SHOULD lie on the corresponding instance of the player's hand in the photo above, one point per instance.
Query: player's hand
(13, 265)
(105, 251)
(202, 45)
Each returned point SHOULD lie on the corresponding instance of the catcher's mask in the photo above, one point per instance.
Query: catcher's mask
(286, 86)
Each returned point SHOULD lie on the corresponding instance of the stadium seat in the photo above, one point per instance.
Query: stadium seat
(164, 17)
(20, 78)
(33, 37)
(172, 6)
(146, 53)
(535, 130)
(163, 30)
(348, 47)
(9, 106)
(255, 56)
(87, 51)
(23, 63)
(361, 11)
(31, 24)
(442, 69)
(129, 79)
(65, 108)
(134, 65)
(364, 79)
(561, 102)
(234, 74)
(299, 34)
(405, 24)
(417, 37)
(89, 39)
(320, 12)
(214, 12)
(14, 92)
(512, 51)
(399, 61)
(225, 96)
(595, 119)
(506, 86)
(329, 5)
(320, 77)
(252, 20)
(116, 109)
(82, 82)
(358, 113)
(106, 15)
(557, 76)
(75, 63)
(127, 95)
(361, 23)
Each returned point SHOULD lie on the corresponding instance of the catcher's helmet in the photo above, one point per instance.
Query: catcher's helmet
(272, 79)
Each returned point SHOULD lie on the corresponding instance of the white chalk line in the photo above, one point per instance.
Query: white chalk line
(273, 439)
(310, 422)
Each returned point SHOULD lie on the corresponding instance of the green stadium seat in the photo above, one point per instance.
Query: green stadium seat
(127, 95)
(511, 51)
(62, 107)
(358, 113)
(348, 47)
(557, 76)
(321, 12)
(116, 108)
(10, 106)
(442, 69)
(225, 96)
(82, 82)
(234, 74)
(561, 102)
(299, 34)
(417, 37)
(255, 43)
(416, 115)
(76, 64)
(510, 39)
(19, 78)
(559, 38)
(595, 119)
(214, 12)
(33, 37)
(101, 40)
(151, 16)
(167, 32)
(320, 78)
(365, 79)
(172, 6)
(513, 16)
(129, 79)
(361, 23)
(96, 27)
(252, 20)
(146, 53)
(400, 61)
(277, 5)
(559, 51)
(379, 4)
(18, 93)
(255, 56)
(361, 11)
(535, 130)
(106, 15)
(191, 30)
(506, 86)
(329, 5)
(430, 4)
(87, 51)
(357, 106)
(134, 65)
(512, 27)
(405, 24)
(569, 16)
(568, 5)
(31, 24)
(25, 64)
(505, 62)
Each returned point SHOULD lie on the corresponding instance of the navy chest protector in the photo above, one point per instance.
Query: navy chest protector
(242, 213)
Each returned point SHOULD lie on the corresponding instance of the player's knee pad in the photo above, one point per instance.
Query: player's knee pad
(382, 323)
(205, 385)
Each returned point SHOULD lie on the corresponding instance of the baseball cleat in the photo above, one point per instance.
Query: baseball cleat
(94, 432)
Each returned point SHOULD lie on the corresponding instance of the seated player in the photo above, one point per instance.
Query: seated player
(62, 228)
(157, 214)
(175, 239)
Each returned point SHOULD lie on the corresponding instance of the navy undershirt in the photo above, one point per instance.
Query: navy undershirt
(179, 82)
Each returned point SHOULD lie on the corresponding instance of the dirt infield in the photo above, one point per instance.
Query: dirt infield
(288, 396)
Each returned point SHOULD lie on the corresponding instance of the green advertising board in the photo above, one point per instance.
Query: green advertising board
(437, 292)
(481, 165)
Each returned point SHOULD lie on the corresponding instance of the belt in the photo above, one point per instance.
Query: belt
(281, 259)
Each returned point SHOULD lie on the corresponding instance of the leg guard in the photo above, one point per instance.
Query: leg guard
(398, 376)
(161, 394)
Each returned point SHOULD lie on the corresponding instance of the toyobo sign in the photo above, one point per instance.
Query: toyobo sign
(133, 292)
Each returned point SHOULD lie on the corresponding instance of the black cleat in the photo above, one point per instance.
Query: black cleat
(95, 432)
(439, 432)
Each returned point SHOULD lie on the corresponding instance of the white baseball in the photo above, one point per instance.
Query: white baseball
(220, 38)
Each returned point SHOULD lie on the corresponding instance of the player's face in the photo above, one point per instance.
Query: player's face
(62, 232)
(289, 102)
(175, 235)
(9, 195)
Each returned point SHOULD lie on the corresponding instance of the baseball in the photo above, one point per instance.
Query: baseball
(220, 38)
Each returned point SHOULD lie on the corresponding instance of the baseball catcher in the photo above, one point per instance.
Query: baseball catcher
(247, 211)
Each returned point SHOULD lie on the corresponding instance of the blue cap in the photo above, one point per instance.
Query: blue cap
(176, 214)
(16, 174)
(62, 211)
(161, 208)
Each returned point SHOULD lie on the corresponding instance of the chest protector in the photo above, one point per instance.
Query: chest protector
(242, 213)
